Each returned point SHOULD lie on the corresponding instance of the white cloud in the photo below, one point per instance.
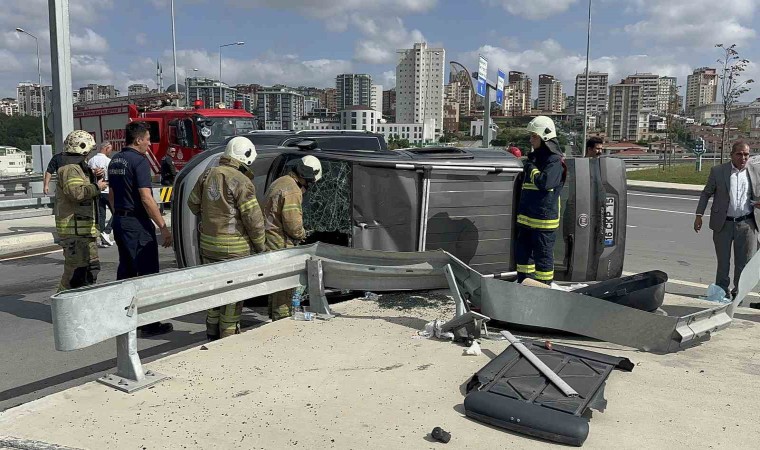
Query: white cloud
(534, 9)
(10, 63)
(389, 79)
(322, 9)
(141, 39)
(693, 23)
(90, 42)
(383, 36)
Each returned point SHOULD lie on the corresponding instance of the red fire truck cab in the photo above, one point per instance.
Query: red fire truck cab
(188, 130)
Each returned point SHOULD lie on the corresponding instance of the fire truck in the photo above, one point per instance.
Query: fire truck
(188, 130)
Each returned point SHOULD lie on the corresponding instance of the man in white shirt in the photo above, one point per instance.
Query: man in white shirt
(735, 213)
(101, 161)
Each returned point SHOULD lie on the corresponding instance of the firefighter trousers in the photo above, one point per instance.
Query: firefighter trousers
(534, 254)
(222, 321)
(279, 304)
(80, 262)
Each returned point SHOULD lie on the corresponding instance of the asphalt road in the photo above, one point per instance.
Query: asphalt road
(659, 236)
(31, 368)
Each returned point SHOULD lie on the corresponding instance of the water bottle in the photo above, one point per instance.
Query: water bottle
(295, 305)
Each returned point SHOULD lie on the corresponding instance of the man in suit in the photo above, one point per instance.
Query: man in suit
(735, 213)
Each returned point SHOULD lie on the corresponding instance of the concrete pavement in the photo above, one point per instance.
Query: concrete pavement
(364, 380)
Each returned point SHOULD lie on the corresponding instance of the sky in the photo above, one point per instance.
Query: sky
(309, 42)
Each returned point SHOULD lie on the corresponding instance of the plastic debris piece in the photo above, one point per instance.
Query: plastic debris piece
(474, 350)
(716, 293)
(433, 330)
(439, 434)
(371, 296)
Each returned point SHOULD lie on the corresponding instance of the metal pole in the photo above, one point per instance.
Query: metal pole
(487, 117)
(220, 63)
(42, 92)
(174, 51)
(585, 108)
(60, 53)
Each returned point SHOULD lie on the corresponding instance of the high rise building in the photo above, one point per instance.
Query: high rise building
(249, 89)
(667, 95)
(419, 85)
(389, 103)
(9, 106)
(650, 84)
(517, 95)
(353, 90)
(97, 92)
(210, 91)
(279, 109)
(137, 89)
(597, 93)
(701, 88)
(29, 97)
(376, 97)
(550, 94)
(624, 112)
(328, 99)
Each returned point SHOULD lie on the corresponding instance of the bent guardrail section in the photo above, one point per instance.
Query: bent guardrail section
(87, 316)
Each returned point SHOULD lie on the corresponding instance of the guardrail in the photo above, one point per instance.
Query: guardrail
(87, 316)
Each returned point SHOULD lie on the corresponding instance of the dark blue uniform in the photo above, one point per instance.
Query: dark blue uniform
(133, 230)
(538, 213)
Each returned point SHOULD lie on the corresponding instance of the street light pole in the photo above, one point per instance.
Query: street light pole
(585, 108)
(220, 55)
(174, 51)
(39, 76)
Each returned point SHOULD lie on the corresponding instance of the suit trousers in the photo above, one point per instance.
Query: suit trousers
(742, 236)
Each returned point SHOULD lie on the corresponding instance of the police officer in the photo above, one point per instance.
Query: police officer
(76, 216)
(135, 211)
(539, 208)
(284, 218)
(231, 222)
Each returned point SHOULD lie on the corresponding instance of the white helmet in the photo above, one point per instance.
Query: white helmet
(544, 127)
(309, 168)
(79, 142)
(241, 150)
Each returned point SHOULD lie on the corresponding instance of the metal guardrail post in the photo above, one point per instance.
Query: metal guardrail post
(317, 299)
(129, 376)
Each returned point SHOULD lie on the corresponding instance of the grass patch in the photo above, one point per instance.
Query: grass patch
(680, 173)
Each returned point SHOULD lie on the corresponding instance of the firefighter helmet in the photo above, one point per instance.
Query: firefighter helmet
(79, 142)
(543, 127)
(241, 150)
(309, 168)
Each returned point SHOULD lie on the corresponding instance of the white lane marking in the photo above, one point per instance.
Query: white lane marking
(34, 254)
(688, 283)
(691, 199)
(665, 211)
(632, 226)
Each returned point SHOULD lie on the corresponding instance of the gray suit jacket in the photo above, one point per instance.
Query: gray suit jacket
(718, 186)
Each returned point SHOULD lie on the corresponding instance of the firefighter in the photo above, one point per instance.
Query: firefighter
(538, 212)
(232, 225)
(76, 213)
(284, 218)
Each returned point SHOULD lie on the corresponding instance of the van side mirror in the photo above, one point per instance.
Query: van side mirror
(307, 144)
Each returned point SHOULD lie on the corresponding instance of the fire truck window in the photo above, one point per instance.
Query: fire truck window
(155, 132)
(189, 135)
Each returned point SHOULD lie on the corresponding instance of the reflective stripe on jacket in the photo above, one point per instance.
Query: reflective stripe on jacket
(231, 219)
(283, 214)
(539, 206)
(75, 214)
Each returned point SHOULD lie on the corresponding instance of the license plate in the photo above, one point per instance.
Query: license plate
(609, 222)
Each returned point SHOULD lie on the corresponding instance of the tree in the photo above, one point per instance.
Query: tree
(21, 132)
(731, 87)
(745, 126)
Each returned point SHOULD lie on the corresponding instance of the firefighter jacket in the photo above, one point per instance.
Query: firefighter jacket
(76, 214)
(283, 213)
(231, 220)
(544, 176)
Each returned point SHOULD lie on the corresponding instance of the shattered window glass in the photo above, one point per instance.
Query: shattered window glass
(326, 206)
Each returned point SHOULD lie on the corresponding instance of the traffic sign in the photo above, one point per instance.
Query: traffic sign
(699, 147)
(482, 72)
(500, 87)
